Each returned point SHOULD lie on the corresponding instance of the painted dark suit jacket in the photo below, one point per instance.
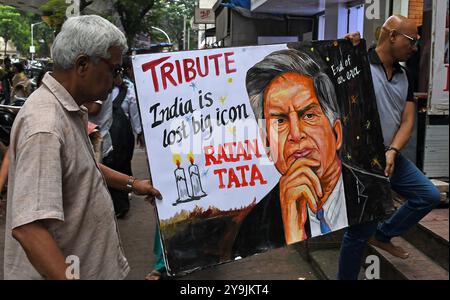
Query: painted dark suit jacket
(367, 198)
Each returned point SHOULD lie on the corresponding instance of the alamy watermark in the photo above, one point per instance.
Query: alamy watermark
(373, 9)
(373, 268)
(73, 267)
(73, 10)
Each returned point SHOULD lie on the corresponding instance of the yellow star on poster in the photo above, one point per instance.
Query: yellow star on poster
(345, 120)
(222, 100)
(230, 80)
(232, 130)
(376, 163)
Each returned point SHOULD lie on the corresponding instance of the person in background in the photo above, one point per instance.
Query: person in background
(159, 268)
(100, 113)
(125, 124)
(130, 105)
(21, 85)
(6, 78)
(396, 106)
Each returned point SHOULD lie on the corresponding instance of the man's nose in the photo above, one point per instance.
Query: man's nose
(295, 131)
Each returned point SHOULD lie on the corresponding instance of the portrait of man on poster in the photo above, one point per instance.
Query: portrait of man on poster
(303, 133)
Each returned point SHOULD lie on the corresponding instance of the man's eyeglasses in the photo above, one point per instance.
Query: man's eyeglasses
(115, 70)
(413, 41)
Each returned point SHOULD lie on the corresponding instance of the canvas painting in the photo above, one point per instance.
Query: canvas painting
(255, 148)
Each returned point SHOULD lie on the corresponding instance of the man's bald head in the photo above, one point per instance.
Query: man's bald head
(399, 24)
(396, 36)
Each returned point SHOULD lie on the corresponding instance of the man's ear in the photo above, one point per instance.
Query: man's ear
(392, 36)
(339, 134)
(82, 65)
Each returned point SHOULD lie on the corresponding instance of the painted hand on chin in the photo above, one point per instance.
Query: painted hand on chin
(300, 188)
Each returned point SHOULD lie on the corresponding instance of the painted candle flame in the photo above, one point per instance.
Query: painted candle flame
(191, 157)
(177, 159)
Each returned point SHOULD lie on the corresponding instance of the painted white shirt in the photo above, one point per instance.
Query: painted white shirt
(335, 211)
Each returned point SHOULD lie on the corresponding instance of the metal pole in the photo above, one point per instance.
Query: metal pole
(188, 39)
(167, 36)
(184, 32)
(32, 40)
(206, 39)
(32, 54)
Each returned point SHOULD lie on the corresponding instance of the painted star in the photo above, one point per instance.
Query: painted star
(230, 80)
(205, 172)
(222, 100)
(376, 163)
(193, 85)
(188, 118)
(232, 130)
(345, 120)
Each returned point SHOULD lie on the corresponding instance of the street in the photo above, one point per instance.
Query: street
(137, 231)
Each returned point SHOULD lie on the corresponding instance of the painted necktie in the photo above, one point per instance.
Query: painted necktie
(324, 228)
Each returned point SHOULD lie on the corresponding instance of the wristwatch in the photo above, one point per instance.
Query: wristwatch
(130, 183)
(393, 149)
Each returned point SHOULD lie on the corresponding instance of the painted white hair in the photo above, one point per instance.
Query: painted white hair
(291, 60)
(90, 35)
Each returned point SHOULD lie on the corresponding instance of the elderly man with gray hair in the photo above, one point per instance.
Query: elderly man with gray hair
(60, 217)
(296, 99)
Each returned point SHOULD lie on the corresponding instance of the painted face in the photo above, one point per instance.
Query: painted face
(297, 126)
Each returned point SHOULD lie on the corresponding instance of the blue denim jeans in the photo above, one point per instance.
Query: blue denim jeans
(421, 197)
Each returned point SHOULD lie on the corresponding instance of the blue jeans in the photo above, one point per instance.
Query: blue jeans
(421, 197)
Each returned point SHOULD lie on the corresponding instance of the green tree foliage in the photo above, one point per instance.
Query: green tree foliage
(134, 16)
(15, 26)
(54, 11)
(11, 25)
(169, 15)
(43, 35)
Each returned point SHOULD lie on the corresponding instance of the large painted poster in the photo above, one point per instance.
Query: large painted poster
(254, 148)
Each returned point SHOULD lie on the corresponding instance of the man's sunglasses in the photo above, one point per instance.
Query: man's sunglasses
(115, 70)
(413, 41)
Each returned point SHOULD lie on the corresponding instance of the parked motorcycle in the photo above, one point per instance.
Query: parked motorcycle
(7, 115)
